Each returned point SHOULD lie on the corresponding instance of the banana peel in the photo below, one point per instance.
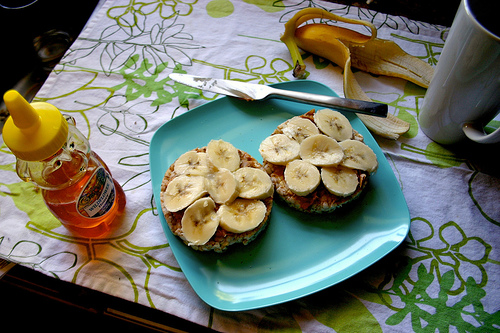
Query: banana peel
(346, 48)
(322, 45)
(384, 57)
(308, 14)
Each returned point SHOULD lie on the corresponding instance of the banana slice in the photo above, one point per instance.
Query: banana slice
(298, 128)
(279, 149)
(183, 191)
(302, 177)
(321, 150)
(254, 183)
(222, 186)
(200, 221)
(340, 180)
(334, 124)
(191, 163)
(358, 155)
(223, 154)
(242, 215)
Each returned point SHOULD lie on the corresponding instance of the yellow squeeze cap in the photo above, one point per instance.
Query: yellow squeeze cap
(35, 131)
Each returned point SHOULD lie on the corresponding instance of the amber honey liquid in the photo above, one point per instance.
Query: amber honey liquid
(64, 203)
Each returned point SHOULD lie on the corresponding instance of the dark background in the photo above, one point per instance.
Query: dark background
(439, 12)
(19, 27)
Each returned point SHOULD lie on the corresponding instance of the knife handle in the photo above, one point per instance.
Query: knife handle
(344, 104)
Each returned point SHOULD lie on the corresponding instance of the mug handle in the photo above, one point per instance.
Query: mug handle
(478, 135)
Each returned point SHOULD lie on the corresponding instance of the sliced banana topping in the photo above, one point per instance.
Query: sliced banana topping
(215, 187)
(279, 149)
(333, 124)
(223, 154)
(340, 180)
(302, 177)
(321, 150)
(298, 128)
(241, 215)
(222, 186)
(200, 221)
(191, 163)
(330, 152)
(358, 155)
(253, 183)
(183, 191)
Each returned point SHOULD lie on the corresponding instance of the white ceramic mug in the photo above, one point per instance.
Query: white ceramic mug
(464, 94)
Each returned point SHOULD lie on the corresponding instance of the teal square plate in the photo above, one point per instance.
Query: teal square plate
(298, 254)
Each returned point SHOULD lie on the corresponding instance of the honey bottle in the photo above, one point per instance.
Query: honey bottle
(51, 152)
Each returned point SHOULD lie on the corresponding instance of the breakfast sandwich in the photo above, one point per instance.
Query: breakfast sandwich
(317, 161)
(216, 196)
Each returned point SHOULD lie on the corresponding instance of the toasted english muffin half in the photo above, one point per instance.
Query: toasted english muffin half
(222, 239)
(321, 199)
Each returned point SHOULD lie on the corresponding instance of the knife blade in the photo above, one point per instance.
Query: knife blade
(254, 92)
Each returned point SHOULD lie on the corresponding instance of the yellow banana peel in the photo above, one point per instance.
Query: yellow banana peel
(384, 57)
(346, 48)
(307, 14)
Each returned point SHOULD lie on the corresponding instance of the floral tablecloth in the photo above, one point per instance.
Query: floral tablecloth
(114, 82)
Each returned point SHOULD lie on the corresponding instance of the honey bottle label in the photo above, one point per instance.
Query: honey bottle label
(97, 196)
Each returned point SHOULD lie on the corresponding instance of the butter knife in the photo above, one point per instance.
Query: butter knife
(251, 92)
